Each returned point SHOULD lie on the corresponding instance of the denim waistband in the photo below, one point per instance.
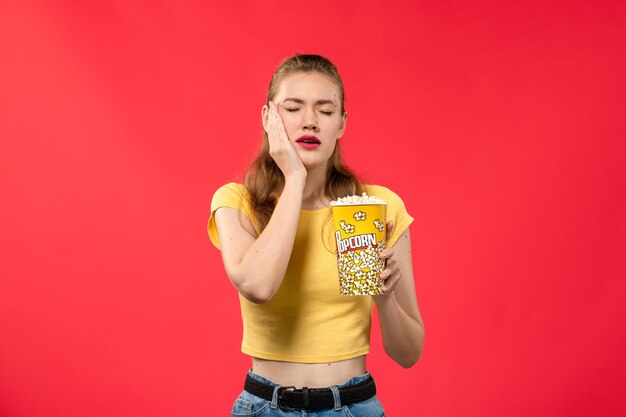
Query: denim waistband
(334, 389)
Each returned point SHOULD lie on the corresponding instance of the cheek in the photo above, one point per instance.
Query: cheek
(334, 127)
(291, 125)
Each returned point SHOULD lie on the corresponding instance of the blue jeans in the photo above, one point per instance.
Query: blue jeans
(248, 405)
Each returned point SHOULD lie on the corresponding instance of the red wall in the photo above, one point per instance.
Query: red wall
(501, 125)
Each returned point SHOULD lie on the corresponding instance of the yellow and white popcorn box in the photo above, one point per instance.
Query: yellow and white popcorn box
(360, 229)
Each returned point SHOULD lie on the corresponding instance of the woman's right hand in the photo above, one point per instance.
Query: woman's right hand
(256, 264)
(281, 149)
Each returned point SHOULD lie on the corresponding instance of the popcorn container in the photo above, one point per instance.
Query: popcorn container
(360, 233)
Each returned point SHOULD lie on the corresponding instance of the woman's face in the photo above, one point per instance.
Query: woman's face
(311, 111)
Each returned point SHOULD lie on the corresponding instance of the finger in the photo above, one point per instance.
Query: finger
(390, 226)
(386, 253)
(389, 270)
(276, 113)
(384, 276)
(280, 124)
(274, 123)
(273, 111)
(391, 282)
(272, 108)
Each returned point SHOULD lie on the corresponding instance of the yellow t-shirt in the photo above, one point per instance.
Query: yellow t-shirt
(307, 320)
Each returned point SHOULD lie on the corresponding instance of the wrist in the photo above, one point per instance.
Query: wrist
(296, 180)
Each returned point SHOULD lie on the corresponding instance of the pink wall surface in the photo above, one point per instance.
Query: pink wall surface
(500, 124)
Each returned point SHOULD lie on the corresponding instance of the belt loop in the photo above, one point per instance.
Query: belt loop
(306, 399)
(336, 397)
(274, 404)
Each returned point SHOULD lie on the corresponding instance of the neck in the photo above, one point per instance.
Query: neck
(313, 196)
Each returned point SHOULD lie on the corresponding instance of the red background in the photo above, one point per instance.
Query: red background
(500, 124)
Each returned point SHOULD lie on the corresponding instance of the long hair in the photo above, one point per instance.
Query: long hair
(264, 180)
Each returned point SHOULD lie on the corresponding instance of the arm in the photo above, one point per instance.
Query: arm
(256, 264)
(401, 324)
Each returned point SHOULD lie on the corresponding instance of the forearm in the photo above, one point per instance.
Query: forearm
(262, 268)
(403, 335)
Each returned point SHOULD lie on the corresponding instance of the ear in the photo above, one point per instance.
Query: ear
(265, 112)
(342, 126)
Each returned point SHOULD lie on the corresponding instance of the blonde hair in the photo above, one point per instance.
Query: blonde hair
(264, 180)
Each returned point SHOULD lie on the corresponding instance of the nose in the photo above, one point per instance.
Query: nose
(310, 121)
(310, 126)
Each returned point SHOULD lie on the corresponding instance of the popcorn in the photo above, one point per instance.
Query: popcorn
(356, 200)
(359, 243)
(359, 271)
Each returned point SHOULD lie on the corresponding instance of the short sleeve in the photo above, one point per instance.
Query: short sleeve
(396, 211)
(231, 195)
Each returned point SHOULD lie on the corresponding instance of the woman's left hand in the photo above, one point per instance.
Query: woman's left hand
(391, 274)
(401, 324)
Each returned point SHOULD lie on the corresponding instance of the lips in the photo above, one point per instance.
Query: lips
(312, 140)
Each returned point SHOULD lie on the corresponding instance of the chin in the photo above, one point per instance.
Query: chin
(313, 159)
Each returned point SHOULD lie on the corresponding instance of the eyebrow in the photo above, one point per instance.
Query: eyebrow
(318, 102)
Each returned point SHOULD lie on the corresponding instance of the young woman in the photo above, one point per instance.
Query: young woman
(308, 343)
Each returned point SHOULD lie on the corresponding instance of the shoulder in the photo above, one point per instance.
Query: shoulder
(396, 211)
(233, 195)
(231, 188)
(230, 194)
(383, 193)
